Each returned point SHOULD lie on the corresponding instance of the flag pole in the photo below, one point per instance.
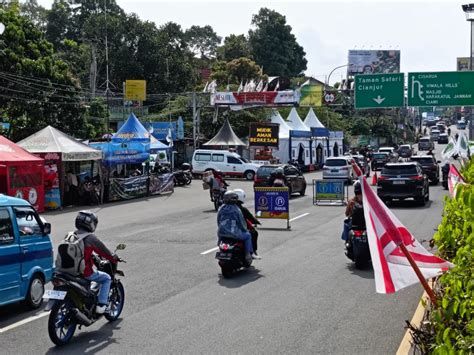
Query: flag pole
(415, 267)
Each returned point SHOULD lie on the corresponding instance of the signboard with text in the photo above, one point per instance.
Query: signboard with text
(441, 89)
(272, 202)
(329, 191)
(135, 90)
(379, 91)
(263, 134)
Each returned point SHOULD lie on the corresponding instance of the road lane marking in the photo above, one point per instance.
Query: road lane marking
(209, 251)
(298, 217)
(23, 322)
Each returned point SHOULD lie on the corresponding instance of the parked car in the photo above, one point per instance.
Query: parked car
(434, 135)
(443, 138)
(400, 181)
(405, 151)
(229, 163)
(391, 151)
(294, 177)
(379, 159)
(338, 168)
(361, 161)
(26, 253)
(430, 166)
(425, 143)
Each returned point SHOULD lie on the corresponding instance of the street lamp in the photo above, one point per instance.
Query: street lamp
(469, 11)
(332, 71)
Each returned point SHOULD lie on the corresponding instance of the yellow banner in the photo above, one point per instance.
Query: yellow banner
(311, 95)
(135, 90)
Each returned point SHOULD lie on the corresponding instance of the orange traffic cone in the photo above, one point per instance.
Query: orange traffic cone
(374, 179)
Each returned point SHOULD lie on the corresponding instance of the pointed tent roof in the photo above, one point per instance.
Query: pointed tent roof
(11, 152)
(295, 123)
(52, 140)
(312, 120)
(284, 131)
(155, 144)
(132, 129)
(225, 136)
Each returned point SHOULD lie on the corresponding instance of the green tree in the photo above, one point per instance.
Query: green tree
(234, 47)
(273, 45)
(243, 69)
(202, 41)
(35, 12)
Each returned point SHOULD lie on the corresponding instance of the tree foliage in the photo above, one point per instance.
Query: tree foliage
(203, 41)
(234, 47)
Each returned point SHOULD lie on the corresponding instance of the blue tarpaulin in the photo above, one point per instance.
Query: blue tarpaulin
(123, 153)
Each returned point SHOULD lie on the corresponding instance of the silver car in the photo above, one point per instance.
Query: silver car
(338, 168)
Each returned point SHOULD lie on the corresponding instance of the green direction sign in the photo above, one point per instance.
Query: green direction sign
(441, 89)
(379, 90)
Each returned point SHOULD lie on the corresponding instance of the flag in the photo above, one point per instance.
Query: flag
(266, 87)
(277, 86)
(212, 87)
(259, 86)
(246, 86)
(241, 87)
(454, 178)
(251, 86)
(169, 138)
(385, 234)
(205, 87)
(462, 145)
(449, 150)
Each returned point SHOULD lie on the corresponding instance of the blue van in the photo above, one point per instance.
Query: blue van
(26, 253)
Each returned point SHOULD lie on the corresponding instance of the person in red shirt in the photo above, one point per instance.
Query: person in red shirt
(86, 223)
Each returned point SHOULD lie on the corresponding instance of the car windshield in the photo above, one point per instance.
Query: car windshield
(420, 160)
(399, 170)
(424, 140)
(336, 162)
(380, 155)
(265, 171)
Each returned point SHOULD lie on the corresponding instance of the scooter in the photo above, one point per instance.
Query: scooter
(73, 301)
(217, 198)
(231, 256)
(357, 246)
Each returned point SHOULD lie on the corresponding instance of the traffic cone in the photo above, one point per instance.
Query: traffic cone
(374, 179)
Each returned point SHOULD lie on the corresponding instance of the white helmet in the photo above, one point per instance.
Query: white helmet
(241, 194)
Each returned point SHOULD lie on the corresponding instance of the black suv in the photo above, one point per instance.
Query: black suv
(430, 166)
(296, 180)
(403, 180)
(379, 159)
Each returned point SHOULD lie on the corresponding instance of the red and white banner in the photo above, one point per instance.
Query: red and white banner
(288, 97)
(454, 178)
(385, 233)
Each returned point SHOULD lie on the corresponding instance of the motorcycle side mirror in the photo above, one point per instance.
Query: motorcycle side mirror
(121, 247)
(46, 228)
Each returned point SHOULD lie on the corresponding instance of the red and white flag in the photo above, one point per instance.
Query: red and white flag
(454, 178)
(385, 234)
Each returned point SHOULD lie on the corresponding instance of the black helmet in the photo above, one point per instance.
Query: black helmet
(87, 220)
(230, 197)
(357, 188)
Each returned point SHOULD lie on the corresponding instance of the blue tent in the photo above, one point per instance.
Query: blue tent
(132, 130)
(156, 145)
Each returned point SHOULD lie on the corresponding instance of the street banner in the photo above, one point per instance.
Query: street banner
(311, 95)
(462, 145)
(272, 202)
(161, 183)
(135, 90)
(332, 191)
(128, 188)
(160, 130)
(393, 248)
(264, 134)
(373, 62)
(454, 178)
(449, 150)
(264, 98)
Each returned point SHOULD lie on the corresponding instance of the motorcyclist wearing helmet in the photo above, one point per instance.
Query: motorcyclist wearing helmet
(277, 178)
(86, 223)
(217, 183)
(249, 219)
(355, 208)
(231, 222)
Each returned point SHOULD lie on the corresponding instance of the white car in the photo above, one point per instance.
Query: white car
(338, 168)
(229, 163)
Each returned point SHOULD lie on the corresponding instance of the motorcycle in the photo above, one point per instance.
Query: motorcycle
(181, 178)
(231, 256)
(188, 172)
(357, 245)
(217, 198)
(73, 301)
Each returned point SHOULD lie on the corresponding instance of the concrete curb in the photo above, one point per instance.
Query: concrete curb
(407, 341)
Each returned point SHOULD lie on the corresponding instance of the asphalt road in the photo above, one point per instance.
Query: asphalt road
(303, 297)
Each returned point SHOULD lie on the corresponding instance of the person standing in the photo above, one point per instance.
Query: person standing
(72, 186)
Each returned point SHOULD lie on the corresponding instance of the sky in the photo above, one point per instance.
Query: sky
(429, 34)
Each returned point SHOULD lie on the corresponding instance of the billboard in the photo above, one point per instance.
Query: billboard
(264, 98)
(264, 134)
(373, 62)
(462, 63)
(135, 90)
(311, 95)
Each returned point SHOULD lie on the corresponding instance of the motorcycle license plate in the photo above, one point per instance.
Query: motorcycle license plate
(54, 294)
(221, 255)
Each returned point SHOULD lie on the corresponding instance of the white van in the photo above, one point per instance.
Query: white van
(228, 163)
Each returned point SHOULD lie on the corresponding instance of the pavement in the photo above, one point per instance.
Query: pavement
(303, 297)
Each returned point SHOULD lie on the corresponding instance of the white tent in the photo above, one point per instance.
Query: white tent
(283, 137)
(284, 131)
(312, 120)
(319, 143)
(295, 123)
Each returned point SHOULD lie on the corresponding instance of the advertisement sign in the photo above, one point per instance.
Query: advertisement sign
(160, 130)
(161, 183)
(52, 199)
(329, 191)
(272, 202)
(123, 153)
(264, 98)
(264, 134)
(373, 62)
(126, 189)
(441, 89)
(462, 63)
(311, 95)
(135, 90)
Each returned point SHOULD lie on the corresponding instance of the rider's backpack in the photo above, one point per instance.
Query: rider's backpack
(70, 257)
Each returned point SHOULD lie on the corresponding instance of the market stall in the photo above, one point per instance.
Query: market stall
(72, 169)
(21, 174)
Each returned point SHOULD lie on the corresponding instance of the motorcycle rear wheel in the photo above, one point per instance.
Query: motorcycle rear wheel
(116, 302)
(61, 327)
(226, 272)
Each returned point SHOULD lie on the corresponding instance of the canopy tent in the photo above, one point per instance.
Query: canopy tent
(21, 174)
(284, 131)
(295, 123)
(156, 145)
(312, 120)
(132, 129)
(225, 136)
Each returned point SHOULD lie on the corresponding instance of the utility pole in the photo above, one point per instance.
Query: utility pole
(194, 121)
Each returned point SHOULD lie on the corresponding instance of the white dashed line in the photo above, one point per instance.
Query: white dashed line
(209, 251)
(23, 322)
(298, 217)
